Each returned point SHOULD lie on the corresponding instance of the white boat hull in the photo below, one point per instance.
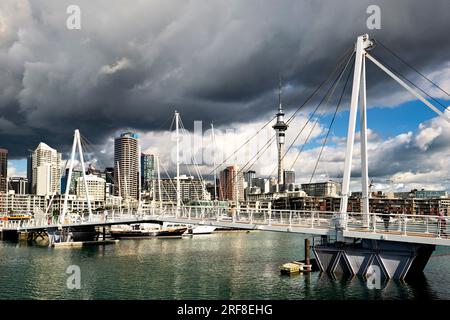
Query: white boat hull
(203, 229)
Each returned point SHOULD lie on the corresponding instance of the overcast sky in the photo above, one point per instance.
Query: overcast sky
(134, 62)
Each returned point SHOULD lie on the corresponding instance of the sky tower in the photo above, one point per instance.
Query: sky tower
(280, 127)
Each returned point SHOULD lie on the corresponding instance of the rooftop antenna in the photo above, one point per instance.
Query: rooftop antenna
(280, 108)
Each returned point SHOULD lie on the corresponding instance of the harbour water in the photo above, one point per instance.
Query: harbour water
(229, 265)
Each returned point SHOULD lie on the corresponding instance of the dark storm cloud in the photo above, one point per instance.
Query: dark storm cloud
(134, 62)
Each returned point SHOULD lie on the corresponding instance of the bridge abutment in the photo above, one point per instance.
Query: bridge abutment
(394, 260)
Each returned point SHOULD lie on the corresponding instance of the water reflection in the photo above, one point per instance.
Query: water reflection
(222, 266)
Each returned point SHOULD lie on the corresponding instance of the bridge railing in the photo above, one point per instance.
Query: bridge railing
(401, 224)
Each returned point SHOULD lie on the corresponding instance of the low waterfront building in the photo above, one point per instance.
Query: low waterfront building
(270, 196)
(21, 203)
(113, 201)
(322, 189)
(75, 204)
(376, 205)
(430, 194)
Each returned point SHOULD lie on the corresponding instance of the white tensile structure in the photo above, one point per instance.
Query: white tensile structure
(363, 45)
(76, 144)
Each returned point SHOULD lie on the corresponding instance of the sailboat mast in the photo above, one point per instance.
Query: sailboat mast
(214, 160)
(178, 160)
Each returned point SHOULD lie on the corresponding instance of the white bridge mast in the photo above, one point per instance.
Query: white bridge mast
(76, 143)
(359, 91)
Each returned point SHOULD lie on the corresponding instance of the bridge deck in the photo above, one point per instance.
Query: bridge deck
(403, 228)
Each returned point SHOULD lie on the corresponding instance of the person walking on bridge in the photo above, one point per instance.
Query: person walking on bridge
(442, 222)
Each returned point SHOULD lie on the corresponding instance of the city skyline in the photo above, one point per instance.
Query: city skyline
(404, 138)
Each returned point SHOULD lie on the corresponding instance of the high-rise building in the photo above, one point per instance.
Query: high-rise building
(126, 165)
(289, 177)
(19, 185)
(109, 173)
(147, 171)
(210, 186)
(191, 189)
(73, 183)
(46, 171)
(231, 184)
(273, 184)
(30, 172)
(3, 170)
(261, 185)
(249, 176)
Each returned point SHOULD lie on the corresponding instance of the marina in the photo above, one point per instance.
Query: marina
(321, 172)
(226, 265)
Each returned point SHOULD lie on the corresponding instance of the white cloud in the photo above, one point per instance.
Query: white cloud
(116, 66)
(427, 136)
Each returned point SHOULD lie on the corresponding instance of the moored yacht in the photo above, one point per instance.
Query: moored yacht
(191, 229)
(146, 230)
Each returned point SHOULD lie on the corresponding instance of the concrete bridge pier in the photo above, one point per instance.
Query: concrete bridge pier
(393, 260)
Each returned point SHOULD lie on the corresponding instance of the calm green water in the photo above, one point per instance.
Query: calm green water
(218, 266)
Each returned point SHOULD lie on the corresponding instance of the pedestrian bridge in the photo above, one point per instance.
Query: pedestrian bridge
(419, 229)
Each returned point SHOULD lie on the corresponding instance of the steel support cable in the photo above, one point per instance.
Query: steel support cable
(196, 167)
(88, 151)
(258, 155)
(331, 124)
(328, 96)
(341, 60)
(411, 67)
(406, 79)
(346, 57)
(188, 134)
(243, 145)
